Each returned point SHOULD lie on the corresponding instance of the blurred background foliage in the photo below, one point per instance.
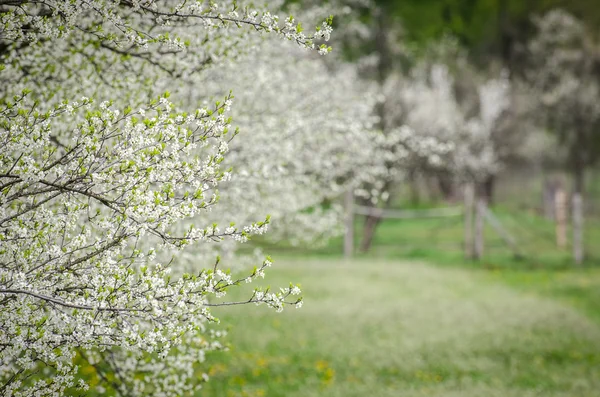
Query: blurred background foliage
(487, 28)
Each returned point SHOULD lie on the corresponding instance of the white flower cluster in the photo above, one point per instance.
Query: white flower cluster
(72, 218)
(313, 139)
(431, 129)
(97, 197)
(139, 22)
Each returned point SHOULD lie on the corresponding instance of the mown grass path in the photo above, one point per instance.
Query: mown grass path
(393, 328)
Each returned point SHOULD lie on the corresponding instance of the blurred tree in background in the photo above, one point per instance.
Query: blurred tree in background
(476, 41)
(488, 28)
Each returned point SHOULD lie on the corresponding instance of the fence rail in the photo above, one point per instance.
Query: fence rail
(408, 214)
(475, 213)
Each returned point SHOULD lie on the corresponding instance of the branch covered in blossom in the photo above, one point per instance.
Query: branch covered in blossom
(73, 214)
(142, 22)
(103, 183)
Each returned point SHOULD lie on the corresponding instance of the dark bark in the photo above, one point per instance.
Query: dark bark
(447, 188)
(488, 189)
(369, 229)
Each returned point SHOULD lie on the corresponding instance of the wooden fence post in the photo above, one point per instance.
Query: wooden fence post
(560, 216)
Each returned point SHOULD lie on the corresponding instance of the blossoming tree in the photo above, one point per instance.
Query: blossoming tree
(565, 78)
(103, 179)
(315, 123)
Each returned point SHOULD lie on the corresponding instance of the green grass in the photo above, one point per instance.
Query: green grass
(401, 328)
(414, 318)
(579, 288)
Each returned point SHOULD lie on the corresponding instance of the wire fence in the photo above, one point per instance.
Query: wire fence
(516, 226)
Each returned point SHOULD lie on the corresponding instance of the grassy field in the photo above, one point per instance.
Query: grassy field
(414, 318)
(404, 328)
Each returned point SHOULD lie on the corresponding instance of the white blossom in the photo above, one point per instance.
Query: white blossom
(98, 199)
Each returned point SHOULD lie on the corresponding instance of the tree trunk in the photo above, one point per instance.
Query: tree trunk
(488, 189)
(349, 236)
(469, 199)
(446, 186)
(578, 251)
(371, 223)
(479, 240)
